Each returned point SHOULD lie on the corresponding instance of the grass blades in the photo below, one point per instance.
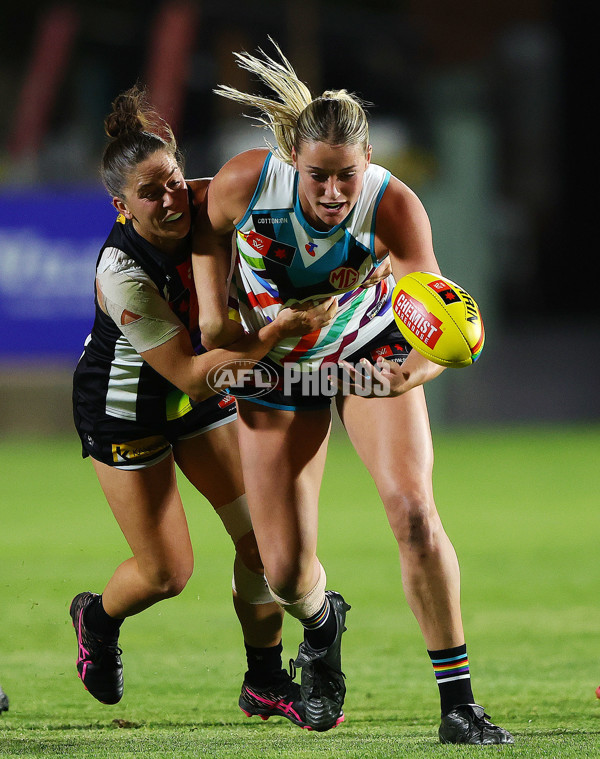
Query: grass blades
(521, 507)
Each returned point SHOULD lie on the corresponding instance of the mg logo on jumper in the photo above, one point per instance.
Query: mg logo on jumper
(343, 278)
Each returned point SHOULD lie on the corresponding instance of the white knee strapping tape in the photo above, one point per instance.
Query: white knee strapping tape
(236, 517)
(310, 603)
(249, 586)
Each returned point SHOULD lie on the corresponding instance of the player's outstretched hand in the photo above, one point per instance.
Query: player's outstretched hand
(364, 379)
(389, 378)
(303, 318)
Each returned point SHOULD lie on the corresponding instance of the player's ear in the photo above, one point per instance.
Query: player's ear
(369, 153)
(122, 208)
(294, 157)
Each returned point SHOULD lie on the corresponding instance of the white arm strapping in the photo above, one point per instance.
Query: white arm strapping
(124, 286)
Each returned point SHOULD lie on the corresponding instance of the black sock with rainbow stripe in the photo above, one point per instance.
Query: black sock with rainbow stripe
(451, 667)
(320, 629)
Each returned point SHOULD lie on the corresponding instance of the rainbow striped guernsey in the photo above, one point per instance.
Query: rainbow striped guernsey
(283, 259)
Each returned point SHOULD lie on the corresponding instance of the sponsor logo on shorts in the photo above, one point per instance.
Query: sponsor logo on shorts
(133, 450)
(414, 315)
(396, 352)
(383, 350)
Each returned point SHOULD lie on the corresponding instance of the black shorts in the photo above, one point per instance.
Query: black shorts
(281, 387)
(125, 444)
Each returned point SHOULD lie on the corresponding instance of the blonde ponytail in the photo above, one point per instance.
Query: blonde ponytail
(337, 117)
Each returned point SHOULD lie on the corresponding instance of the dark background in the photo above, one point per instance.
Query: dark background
(483, 108)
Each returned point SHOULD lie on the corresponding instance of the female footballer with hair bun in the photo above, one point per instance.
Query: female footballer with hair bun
(142, 405)
(313, 217)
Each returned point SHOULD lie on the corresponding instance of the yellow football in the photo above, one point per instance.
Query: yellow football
(438, 318)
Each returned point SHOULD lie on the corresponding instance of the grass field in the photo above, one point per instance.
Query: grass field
(521, 506)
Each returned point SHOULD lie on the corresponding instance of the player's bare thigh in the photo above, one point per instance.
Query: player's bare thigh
(147, 505)
(211, 462)
(393, 439)
(283, 457)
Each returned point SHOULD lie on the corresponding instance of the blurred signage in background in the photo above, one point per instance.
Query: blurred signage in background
(49, 243)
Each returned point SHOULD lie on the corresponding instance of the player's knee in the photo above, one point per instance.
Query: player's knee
(168, 582)
(173, 585)
(414, 521)
(290, 580)
(309, 603)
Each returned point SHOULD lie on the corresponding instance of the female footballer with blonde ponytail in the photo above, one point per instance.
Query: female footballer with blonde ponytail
(313, 217)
